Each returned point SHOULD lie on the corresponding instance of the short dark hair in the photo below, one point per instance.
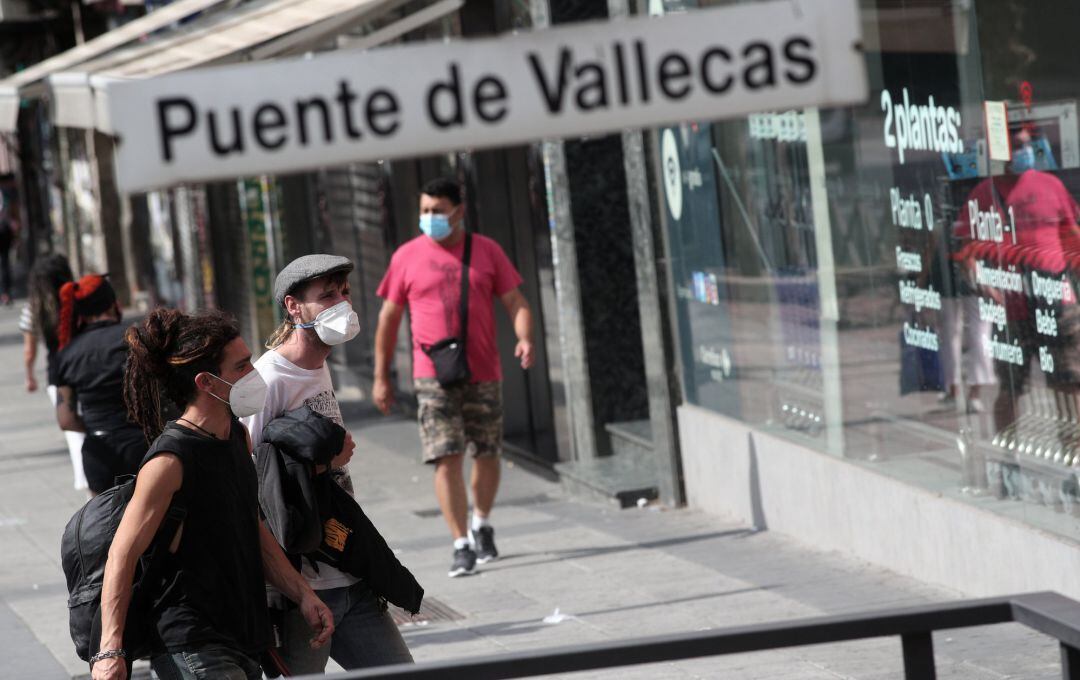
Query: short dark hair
(443, 187)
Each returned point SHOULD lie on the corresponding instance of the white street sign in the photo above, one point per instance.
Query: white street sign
(286, 116)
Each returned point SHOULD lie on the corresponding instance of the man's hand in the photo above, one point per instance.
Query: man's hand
(318, 616)
(382, 394)
(31, 383)
(518, 310)
(343, 458)
(109, 669)
(524, 351)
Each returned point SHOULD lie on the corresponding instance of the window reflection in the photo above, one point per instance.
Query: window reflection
(949, 204)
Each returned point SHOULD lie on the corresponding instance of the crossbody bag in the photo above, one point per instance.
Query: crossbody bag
(449, 354)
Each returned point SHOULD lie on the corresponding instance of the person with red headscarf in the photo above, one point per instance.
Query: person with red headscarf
(89, 375)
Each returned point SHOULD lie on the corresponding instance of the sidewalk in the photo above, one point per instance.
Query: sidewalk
(610, 574)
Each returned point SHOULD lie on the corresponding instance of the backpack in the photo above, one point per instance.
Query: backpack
(83, 552)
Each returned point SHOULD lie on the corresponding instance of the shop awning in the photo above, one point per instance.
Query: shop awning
(13, 85)
(259, 30)
(225, 37)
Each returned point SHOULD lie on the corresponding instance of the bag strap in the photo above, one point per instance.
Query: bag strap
(166, 532)
(463, 311)
(154, 556)
(174, 516)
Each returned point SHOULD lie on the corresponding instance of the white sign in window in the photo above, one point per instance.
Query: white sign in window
(997, 130)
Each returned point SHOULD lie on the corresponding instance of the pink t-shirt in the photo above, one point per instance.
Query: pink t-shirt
(427, 277)
(1045, 215)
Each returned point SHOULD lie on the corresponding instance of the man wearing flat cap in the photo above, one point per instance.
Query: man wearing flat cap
(313, 291)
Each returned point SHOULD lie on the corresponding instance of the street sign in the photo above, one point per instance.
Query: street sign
(291, 115)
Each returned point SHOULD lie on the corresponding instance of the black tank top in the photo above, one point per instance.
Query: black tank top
(213, 590)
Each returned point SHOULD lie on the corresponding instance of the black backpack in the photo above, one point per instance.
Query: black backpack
(83, 551)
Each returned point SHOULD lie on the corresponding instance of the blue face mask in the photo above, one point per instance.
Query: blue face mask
(1023, 159)
(435, 226)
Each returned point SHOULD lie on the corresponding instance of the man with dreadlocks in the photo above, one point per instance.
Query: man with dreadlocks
(89, 375)
(209, 607)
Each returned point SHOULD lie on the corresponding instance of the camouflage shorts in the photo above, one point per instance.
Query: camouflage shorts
(465, 419)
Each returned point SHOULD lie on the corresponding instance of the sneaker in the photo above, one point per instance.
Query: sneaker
(483, 540)
(464, 562)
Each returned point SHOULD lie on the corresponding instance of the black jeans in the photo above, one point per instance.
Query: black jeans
(214, 662)
(108, 455)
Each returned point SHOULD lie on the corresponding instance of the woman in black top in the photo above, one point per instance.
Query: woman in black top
(88, 372)
(210, 612)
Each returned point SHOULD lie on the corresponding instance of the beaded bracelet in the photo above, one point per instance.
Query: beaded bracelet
(108, 654)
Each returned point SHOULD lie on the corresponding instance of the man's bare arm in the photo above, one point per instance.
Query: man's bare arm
(517, 307)
(382, 394)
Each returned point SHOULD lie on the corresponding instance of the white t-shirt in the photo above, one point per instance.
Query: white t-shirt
(289, 387)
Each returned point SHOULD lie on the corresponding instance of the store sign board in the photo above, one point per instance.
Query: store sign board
(286, 116)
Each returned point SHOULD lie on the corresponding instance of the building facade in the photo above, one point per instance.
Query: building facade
(872, 308)
(854, 326)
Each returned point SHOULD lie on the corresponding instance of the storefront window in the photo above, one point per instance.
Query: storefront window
(896, 283)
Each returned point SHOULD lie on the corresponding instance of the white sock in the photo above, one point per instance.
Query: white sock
(478, 522)
(460, 543)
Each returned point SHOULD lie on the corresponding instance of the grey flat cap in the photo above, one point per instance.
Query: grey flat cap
(307, 268)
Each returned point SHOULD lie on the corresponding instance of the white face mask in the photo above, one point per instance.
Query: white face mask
(248, 394)
(335, 325)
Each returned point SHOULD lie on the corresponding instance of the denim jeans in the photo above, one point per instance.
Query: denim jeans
(364, 634)
(207, 663)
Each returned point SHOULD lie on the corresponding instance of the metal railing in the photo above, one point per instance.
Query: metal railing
(1049, 613)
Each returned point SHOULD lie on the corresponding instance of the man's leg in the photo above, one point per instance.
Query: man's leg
(208, 662)
(442, 437)
(454, 503)
(486, 473)
(366, 635)
(295, 650)
(483, 416)
(450, 490)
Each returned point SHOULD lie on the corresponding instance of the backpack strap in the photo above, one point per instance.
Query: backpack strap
(154, 558)
(155, 554)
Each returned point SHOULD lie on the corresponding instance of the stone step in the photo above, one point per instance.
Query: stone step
(630, 435)
(625, 477)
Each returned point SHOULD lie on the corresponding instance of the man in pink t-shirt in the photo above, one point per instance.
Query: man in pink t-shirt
(425, 276)
(1025, 223)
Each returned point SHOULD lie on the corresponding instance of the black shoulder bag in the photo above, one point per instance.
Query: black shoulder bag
(449, 354)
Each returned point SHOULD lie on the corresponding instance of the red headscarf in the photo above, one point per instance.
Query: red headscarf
(89, 296)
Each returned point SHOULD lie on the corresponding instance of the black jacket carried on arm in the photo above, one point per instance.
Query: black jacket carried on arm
(310, 515)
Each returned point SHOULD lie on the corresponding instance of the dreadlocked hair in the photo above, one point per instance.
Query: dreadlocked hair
(46, 278)
(165, 353)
